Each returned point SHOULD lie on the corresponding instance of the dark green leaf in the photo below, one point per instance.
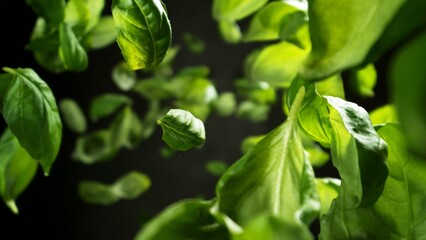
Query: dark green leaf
(73, 116)
(53, 11)
(17, 169)
(235, 9)
(123, 76)
(193, 43)
(149, 121)
(96, 193)
(33, 119)
(181, 130)
(364, 80)
(225, 104)
(383, 114)
(94, 147)
(131, 185)
(408, 85)
(71, 52)
(328, 189)
(343, 32)
(126, 129)
(187, 219)
(102, 34)
(143, 31)
(216, 168)
(230, 31)
(107, 104)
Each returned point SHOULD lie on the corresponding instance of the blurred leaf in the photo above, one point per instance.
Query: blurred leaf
(94, 147)
(328, 190)
(167, 152)
(144, 33)
(126, 129)
(96, 193)
(216, 168)
(71, 52)
(225, 104)
(408, 86)
(253, 111)
(53, 11)
(123, 76)
(181, 130)
(249, 143)
(230, 31)
(83, 15)
(364, 80)
(384, 114)
(131, 185)
(73, 115)
(193, 43)
(154, 89)
(194, 72)
(149, 121)
(102, 35)
(235, 9)
(107, 104)
(316, 156)
(260, 92)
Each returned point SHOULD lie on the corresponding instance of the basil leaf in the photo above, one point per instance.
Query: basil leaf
(334, 50)
(154, 88)
(71, 52)
(94, 147)
(253, 111)
(131, 185)
(102, 34)
(397, 214)
(53, 11)
(83, 15)
(273, 178)
(235, 9)
(225, 104)
(107, 104)
(149, 121)
(96, 193)
(230, 31)
(328, 190)
(216, 168)
(193, 43)
(181, 130)
(259, 91)
(17, 169)
(73, 115)
(358, 153)
(33, 119)
(126, 129)
(123, 76)
(249, 143)
(408, 84)
(364, 80)
(143, 31)
(316, 156)
(187, 219)
(384, 114)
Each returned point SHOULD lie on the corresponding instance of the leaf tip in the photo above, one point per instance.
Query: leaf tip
(12, 205)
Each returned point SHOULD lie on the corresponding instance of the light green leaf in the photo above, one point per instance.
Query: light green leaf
(235, 9)
(83, 15)
(225, 104)
(249, 142)
(94, 147)
(155, 88)
(343, 32)
(17, 169)
(259, 91)
(314, 153)
(143, 31)
(73, 116)
(107, 104)
(408, 85)
(96, 193)
(123, 76)
(384, 114)
(253, 111)
(230, 31)
(364, 80)
(193, 43)
(33, 119)
(398, 213)
(187, 219)
(53, 11)
(131, 185)
(181, 130)
(126, 129)
(328, 190)
(102, 34)
(216, 168)
(71, 53)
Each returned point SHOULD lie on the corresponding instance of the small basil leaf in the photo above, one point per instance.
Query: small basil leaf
(154, 88)
(328, 190)
(131, 185)
(73, 115)
(216, 168)
(364, 80)
(314, 153)
(181, 130)
(126, 129)
(33, 119)
(94, 147)
(143, 31)
(384, 114)
(225, 104)
(230, 31)
(102, 34)
(96, 193)
(107, 104)
(71, 52)
(235, 9)
(83, 15)
(149, 121)
(193, 43)
(17, 169)
(53, 11)
(259, 91)
(123, 76)
(249, 143)
(253, 111)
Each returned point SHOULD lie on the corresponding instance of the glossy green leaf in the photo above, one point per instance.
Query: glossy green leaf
(187, 219)
(364, 80)
(225, 104)
(398, 213)
(181, 130)
(328, 190)
(253, 111)
(193, 43)
(107, 104)
(53, 11)
(96, 193)
(33, 119)
(230, 31)
(277, 64)
(73, 116)
(17, 169)
(235, 9)
(83, 15)
(249, 142)
(266, 23)
(126, 129)
(216, 168)
(131, 185)
(94, 147)
(102, 34)
(143, 31)
(71, 52)
(274, 178)
(384, 114)
(358, 153)
(342, 33)
(123, 76)
(408, 85)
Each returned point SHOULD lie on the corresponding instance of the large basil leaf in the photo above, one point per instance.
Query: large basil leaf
(358, 153)
(408, 85)
(274, 178)
(143, 31)
(342, 33)
(181, 130)
(187, 219)
(71, 52)
(235, 9)
(53, 11)
(17, 169)
(30, 111)
(73, 116)
(398, 213)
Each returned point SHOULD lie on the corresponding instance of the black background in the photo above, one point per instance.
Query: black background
(50, 207)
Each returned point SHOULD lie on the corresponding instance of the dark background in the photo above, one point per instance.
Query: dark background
(51, 209)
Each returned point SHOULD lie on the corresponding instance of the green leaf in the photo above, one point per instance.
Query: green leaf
(123, 76)
(193, 43)
(107, 104)
(225, 104)
(259, 91)
(149, 121)
(328, 190)
(266, 23)
(154, 88)
(73, 116)
(17, 169)
(314, 153)
(102, 34)
(53, 11)
(181, 130)
(96, 193)
(249, 143)
(143, 31)
(71, 52)
(33, 119)
(187, 219)
(216, 168)
(274, 178)
(253, 111)
(358, 153)
(277, 64)
(230, 31)
(364, 80)
(83, 15)
(408, 84)
(235, 9)
(94, 147)
(383, 114)
(126, 129)
(342, 33)
(131, 185)
(398, 213)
